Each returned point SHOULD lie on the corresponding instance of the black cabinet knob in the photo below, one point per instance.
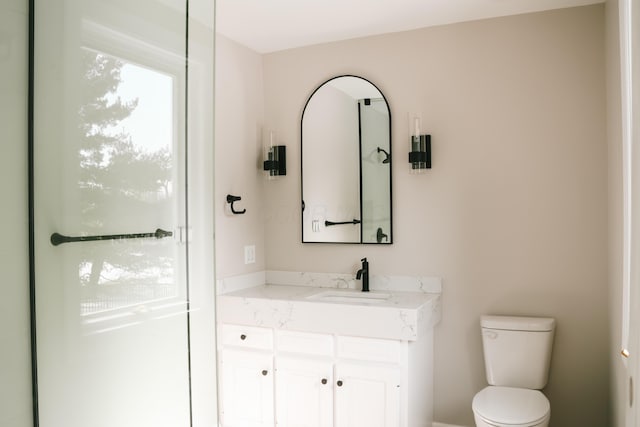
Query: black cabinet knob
(324, 381)
(339, 383)
(265, 372)
(243, 337)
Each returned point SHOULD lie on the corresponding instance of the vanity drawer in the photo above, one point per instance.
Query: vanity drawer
(304, 343)
(370, 349)
(246, 336)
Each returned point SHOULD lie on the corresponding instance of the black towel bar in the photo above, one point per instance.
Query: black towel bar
(58, 239)
(330, 223)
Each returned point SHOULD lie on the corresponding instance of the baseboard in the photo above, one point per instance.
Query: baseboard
(435, 424)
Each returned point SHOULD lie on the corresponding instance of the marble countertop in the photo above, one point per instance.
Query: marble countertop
(397, 315)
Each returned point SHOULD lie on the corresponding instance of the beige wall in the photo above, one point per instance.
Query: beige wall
(513, 214)
(15, 359)
(238, 128)
(614, 138)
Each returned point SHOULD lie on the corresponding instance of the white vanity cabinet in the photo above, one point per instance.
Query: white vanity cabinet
(304, 392)
(304, 379)
(318, 380)
(370, 375)
(369, 395)
(302, 356)
(246, 376)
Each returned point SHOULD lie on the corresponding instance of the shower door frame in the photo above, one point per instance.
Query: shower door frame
(199, 246)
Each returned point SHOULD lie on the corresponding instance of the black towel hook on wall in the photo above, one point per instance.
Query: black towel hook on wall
(231, 199)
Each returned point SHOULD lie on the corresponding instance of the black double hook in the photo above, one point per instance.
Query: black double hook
(387, 158)
(380, 235)
(231, 199)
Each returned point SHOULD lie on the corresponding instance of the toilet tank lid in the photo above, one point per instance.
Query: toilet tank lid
(518, 323)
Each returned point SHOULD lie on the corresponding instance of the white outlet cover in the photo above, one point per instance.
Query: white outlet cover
(249, 254)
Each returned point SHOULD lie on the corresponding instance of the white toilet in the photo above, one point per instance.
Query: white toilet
(517, 353)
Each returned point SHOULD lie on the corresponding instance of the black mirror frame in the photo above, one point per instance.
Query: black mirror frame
(389, 239)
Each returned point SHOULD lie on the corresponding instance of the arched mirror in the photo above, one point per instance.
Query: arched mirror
(346, 164)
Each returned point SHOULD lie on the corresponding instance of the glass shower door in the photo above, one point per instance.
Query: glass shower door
(110, 213)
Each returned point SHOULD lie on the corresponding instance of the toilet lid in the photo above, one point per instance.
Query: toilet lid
(511, 406)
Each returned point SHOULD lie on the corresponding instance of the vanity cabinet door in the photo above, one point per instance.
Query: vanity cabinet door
(246, 388)
(304, 392)
(367, 394)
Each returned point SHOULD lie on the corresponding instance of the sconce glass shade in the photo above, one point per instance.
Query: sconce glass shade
(276, 162)
(420, 153)
(419, 145)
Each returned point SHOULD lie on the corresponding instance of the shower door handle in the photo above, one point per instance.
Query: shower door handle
(58, 239)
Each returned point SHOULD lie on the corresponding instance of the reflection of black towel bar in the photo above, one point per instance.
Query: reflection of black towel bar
(58, 239)
(329, 223)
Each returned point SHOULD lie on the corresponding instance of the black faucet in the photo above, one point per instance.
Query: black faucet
(364, 274)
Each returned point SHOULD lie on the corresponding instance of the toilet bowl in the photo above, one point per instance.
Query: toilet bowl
(517, 355)
(496, 406)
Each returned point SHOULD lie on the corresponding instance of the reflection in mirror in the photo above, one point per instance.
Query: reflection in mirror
(346, 164)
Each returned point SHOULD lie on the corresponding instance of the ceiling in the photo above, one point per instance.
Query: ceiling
(272, 25)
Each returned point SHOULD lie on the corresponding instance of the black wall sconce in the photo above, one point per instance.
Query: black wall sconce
(420, 150)
(276, 158)
(276, 163)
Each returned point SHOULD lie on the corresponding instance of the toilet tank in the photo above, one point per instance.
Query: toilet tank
(517, 350)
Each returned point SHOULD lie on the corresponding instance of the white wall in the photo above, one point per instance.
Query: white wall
(239, 107)
(513, 214)
(15, 356)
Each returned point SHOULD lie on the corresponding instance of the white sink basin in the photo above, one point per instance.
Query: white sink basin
(350, 297)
